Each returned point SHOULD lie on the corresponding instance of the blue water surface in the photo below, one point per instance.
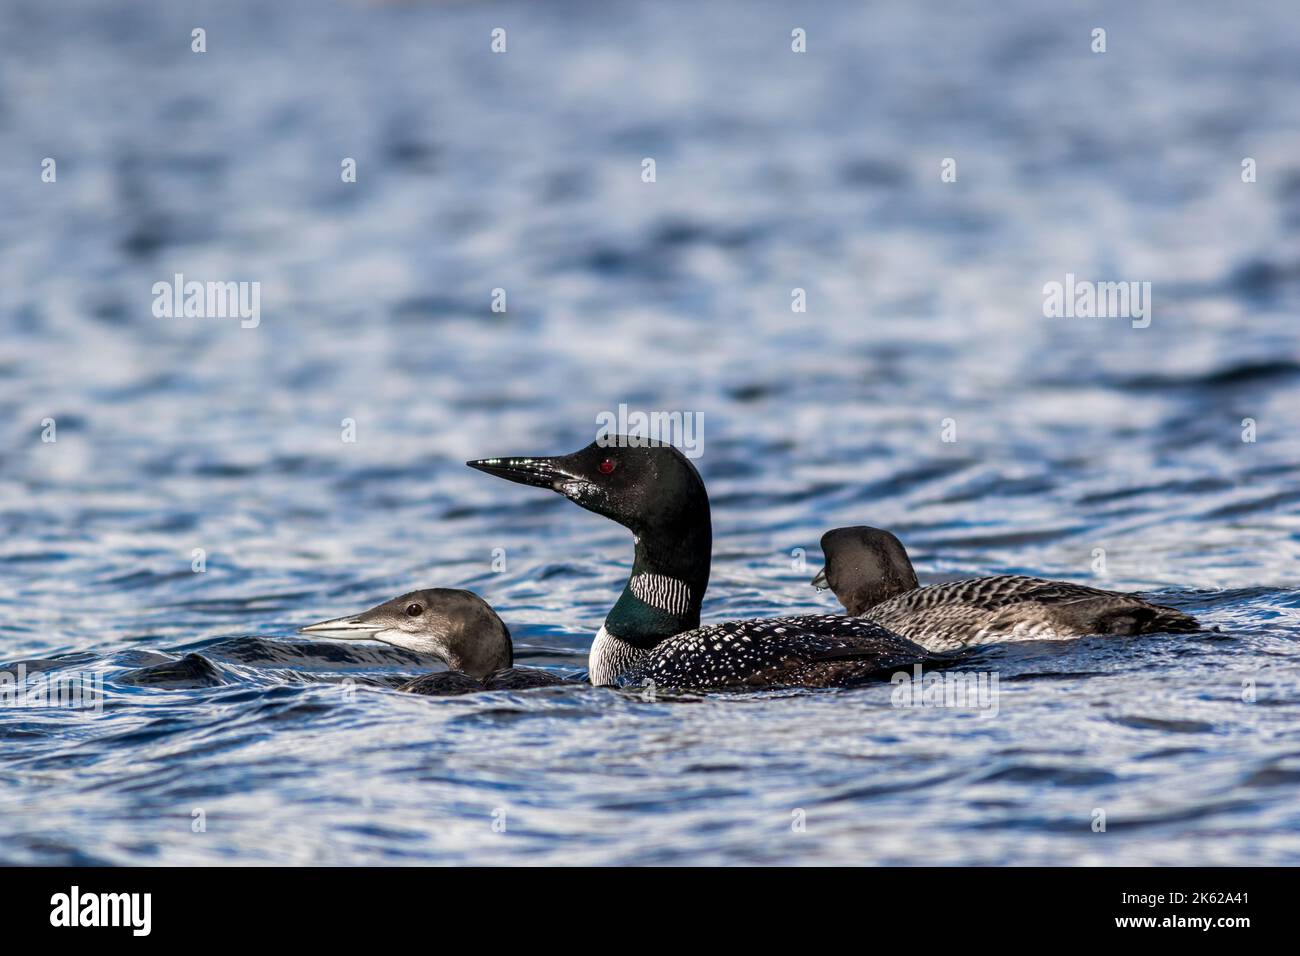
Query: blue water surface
(1087, 449)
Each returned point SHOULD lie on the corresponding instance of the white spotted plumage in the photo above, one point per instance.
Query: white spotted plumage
(825, 650)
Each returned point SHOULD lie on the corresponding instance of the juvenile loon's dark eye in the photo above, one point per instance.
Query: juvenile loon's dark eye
(414, 610)
(606, 466)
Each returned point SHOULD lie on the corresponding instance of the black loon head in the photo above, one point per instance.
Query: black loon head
(647, 487)
(654, 491)
(458, 627)
(864, 566)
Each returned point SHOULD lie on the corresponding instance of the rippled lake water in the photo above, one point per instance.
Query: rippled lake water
(1080, 443)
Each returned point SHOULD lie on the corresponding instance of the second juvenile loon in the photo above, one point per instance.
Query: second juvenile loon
(457, 627)
(653, 631)
(871, 575)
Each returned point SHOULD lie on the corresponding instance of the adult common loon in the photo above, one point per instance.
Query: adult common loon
(653, 631)
(457, 627)
(871, 575)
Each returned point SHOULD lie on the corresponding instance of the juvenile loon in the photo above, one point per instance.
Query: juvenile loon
(653, 631)
(458, 627)
(871, 575)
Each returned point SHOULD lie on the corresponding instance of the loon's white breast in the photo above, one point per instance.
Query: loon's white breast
(610, 658)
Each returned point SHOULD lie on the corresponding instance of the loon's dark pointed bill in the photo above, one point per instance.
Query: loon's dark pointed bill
(820, 582)
(348, 628)
(540, 472)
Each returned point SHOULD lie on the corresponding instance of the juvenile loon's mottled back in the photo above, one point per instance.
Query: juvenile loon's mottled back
(454, 683)
(870, 573)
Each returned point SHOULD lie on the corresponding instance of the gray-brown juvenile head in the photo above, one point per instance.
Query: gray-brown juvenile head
(864, 566)
(458, 627)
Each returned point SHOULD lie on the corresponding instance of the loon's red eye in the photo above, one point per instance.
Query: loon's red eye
(606, 466)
